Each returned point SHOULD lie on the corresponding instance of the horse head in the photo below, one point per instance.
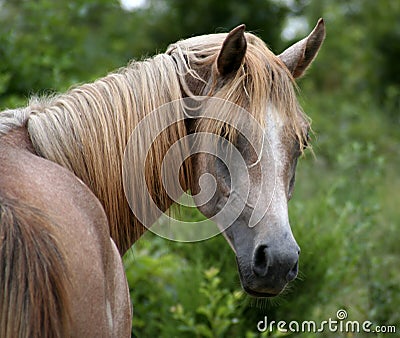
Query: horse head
(242, 71)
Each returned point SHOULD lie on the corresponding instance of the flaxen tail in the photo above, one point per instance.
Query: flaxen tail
(33, 279)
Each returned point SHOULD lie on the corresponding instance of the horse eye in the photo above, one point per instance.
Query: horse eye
(306, 141)
(291, 187)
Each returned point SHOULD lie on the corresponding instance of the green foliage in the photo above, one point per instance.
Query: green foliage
(361, 52)
(148, 275)
(219, 309)
(210, 16)
(345, 211)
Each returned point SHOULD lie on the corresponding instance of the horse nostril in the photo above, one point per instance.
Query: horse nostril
(275, 263)
(292, 274)
(260, 261)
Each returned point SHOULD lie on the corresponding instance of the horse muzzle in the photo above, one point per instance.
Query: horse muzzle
(271, 268)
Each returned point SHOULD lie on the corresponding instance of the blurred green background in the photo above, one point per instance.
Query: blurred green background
(345, 211)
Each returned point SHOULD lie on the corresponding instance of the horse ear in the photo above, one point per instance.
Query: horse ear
(299, 56)
(232, 52)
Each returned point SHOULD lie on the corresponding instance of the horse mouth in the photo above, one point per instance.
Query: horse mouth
(259, 294)
(257, 290)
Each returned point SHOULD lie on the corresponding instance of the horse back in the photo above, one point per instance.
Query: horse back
(60, 273)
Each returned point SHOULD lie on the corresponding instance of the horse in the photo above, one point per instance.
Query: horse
(65, 214)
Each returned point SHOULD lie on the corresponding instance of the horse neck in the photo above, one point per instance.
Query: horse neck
(87, 129)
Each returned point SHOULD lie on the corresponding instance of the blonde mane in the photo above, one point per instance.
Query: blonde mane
(87, 128)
